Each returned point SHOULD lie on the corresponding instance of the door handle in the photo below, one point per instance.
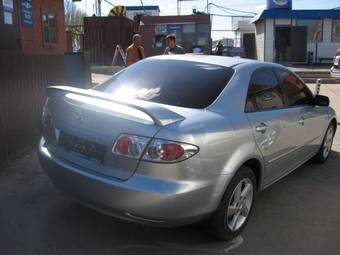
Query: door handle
(301, 121)
(261, 128)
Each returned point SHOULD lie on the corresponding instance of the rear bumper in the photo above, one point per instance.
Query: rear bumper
(335, 72)
(141, 199)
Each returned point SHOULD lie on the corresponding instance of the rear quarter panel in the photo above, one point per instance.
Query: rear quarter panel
(223, 135)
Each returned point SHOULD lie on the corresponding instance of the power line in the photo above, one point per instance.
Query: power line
(257, 2)
(106, 1)
(231, 9)
(230, 15)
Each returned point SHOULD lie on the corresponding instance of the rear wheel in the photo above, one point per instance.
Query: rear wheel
(326, 146)
(233, 213)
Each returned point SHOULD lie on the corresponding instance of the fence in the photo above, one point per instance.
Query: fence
(23, 82)
(102, 34)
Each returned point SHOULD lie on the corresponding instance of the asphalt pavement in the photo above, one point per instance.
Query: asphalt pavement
(298, 215)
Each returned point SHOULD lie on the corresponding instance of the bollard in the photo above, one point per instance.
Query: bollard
(317, 87)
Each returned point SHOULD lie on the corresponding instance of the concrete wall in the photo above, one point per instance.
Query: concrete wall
(259, 40)
(269, 40)
(283, 22)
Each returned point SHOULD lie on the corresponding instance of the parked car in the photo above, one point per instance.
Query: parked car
(173, 140)
(335, 69)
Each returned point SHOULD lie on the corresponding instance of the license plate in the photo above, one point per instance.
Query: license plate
(83, 148)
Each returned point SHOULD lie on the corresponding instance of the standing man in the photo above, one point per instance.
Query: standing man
(135, 51)
(219, 49)
(172, 47)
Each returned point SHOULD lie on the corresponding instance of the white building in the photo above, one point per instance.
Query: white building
(297, 36)
(244, 32)
(146, 10)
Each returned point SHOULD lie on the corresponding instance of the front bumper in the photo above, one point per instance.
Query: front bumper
(141, 199)
(335, 72)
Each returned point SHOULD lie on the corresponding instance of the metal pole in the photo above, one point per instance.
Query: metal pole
(178, 7)
(95, 8)
(317, 87)
(99, 8)
(207, 6)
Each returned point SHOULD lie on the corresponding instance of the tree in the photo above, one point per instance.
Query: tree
(74, 19)
(73, 15)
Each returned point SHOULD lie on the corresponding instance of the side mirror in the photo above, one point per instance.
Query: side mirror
(321, 100)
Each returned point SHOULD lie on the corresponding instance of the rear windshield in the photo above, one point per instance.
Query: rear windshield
(172, 82)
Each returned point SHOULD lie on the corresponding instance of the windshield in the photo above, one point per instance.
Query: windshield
(173, 82)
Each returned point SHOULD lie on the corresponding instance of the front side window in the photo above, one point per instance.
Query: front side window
(172, 82)
(296, 91)
(49, 29)
(336, 30)
(264, 91)
(314, 29)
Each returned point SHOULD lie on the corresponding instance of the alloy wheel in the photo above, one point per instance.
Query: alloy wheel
(240, 204)
(327, 146)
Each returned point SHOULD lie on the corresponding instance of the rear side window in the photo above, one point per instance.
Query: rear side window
(264, 91)
(296, 91)
(173, 82)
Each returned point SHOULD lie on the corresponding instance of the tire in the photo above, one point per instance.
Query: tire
(223, 225)
(326, 146)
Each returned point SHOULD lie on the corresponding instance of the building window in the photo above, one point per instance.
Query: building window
(336, 30)
(189, 28)
(161, 29)
(49, 29)
(203, 34)
(203, 28)
(314, 29)
(159, 41)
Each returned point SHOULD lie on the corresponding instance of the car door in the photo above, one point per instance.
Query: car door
(310, 117)
(274, 125)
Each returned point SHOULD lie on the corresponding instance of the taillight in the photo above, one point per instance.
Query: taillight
(131, 146)
(158, 150)
(168, 151)
(48, 122)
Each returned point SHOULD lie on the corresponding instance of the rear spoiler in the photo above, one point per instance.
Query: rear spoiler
(161, 116)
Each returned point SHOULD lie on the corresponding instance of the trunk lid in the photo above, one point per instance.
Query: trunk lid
(87, 123)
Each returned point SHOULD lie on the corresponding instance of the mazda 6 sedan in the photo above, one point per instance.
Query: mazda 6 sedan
(174, 140)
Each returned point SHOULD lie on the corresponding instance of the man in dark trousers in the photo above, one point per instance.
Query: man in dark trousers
(172, 47)
(135, 51)
(219, 49)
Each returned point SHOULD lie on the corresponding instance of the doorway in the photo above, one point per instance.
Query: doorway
(249, 45)
(291, 44)
(282, 44)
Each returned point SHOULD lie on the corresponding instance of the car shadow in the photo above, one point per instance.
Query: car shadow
(83, 225)
(70, 224)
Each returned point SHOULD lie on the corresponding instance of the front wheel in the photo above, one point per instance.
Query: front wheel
(326, 145)
(233, 213)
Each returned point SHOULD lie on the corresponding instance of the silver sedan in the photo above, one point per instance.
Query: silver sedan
(173, 140)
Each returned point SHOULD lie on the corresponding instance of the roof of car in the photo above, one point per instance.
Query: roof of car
(208, 59)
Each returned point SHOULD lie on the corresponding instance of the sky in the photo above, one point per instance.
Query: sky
(169, 7)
